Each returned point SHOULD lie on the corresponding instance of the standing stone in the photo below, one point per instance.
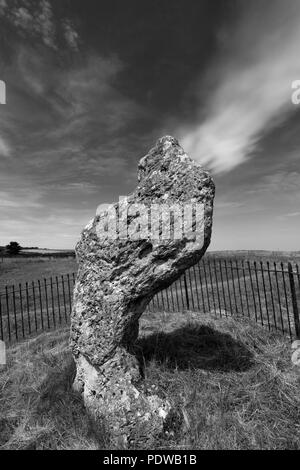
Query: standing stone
(121, 267)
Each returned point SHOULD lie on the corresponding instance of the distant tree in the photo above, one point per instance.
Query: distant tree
(13, 248)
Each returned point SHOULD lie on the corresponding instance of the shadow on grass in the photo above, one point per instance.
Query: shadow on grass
(195, 347)
(65, 408)
(54, 415)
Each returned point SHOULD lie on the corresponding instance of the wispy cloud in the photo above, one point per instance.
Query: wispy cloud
(71, 35)
(19, 199)
(249, 89)
(37, 20)
(76, 113)
(293, 214)
(280, 182)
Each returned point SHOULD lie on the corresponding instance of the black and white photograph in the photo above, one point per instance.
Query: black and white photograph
(149, 228)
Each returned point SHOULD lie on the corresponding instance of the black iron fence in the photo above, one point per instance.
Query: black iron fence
(268, 293)
(30, 308)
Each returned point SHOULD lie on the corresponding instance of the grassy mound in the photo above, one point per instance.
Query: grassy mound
(231, 385)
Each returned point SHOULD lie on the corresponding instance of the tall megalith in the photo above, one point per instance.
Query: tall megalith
(129, 252)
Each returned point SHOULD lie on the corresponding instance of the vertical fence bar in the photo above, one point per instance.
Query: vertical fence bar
(162, 300)
(272, 296)
(217, 287)
(191, 288)
(15, 312)
(162, 295)
(294, 301)
(252, 289)
(1, 321)
(64, 297)
(298, 275)
(69, 291)
(186, 292)
(212, 286)
(245, 288)
(177, 295)
(279, 297)
(21, 310)
(223, 289)
(174, 294)
(206, 285)
(258, 292)
(170, 299)
(265, 293)
(151, 305)
(181, 291)
(158, 301)
(7, 311)
(28, 310)
(228, 287)
(52, 301)
(239, 286)
(41, 305)
(286, 299)
(167, 298)
(34, 306)
(201, 287)
(196, 287)
(154, 303)
(47, 305)
(233, 285)
(58, 298)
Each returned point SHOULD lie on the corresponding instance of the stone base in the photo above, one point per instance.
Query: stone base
(131, 416)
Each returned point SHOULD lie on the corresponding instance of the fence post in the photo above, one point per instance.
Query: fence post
(186, 291)
(1, 321)
(294, 300)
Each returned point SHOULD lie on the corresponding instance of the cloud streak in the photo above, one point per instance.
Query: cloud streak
(39, 21)
(250, 86)
(293, 214)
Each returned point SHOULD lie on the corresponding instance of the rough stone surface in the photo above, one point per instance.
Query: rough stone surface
(116, 280)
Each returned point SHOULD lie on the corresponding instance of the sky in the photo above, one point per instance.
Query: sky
(91, 85)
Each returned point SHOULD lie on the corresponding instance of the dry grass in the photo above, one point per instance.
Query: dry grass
(38, 408)
(231, 384)
(231, 381)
